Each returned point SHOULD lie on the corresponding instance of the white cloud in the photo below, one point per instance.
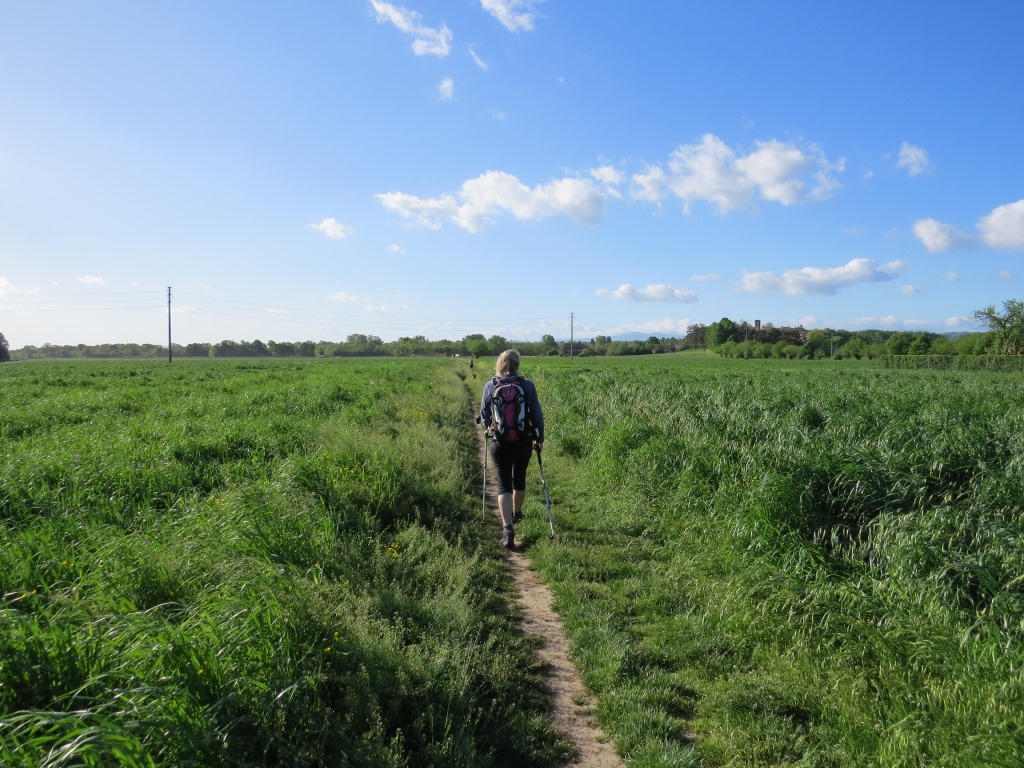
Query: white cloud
(650, 186)
(396, 248)
(608, 174)
(344, 297)
(1003, 229)
(872, 321)
(514, 15)
(938, 237)
(709, 171)
(1005, 275)
(91, 280)
(426, 212)
(333, 229)
(907, 290)
(952, 277)
(7, 288)
(953, 321)
(665, 327)
(480, 63)
(428, 41)
(659, 292)
(704, 278)
(611, 177)
(914, 159)
(481, 199)
(446, 88)
(712, 172)
(819, 281)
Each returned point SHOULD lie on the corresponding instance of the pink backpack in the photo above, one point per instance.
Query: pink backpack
(509, 417)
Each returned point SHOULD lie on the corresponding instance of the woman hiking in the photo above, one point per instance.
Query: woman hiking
(510, 411)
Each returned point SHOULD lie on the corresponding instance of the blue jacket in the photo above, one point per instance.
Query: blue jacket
(533, 410)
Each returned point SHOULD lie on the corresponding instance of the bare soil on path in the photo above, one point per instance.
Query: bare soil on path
(572, 703)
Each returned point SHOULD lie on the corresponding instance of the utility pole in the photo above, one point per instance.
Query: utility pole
(572, 322)
(168, 323)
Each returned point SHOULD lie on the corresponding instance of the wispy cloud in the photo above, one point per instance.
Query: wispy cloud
(480, 63)
(514, 15)
(659, 292)
(429, 41)
(819, 281)
(7, 288)
(333, 229)
(871, 321)
(91, 280)
(907, 290)
(1000, 230)
(344, 297)
(914, 159)
(712, 172)
(446, 88)
(608, 174)
(611, 177)
(665, 327)
(481, 199)
(396, 248)
(704, 278)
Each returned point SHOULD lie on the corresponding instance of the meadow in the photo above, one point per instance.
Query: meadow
(782, 564)
(281, 563)
(276, 564)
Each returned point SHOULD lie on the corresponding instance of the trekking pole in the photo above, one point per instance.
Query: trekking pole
(547, 498)
(483, 495)
(483, 498)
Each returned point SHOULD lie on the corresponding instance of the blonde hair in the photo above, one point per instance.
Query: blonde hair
(508, 363)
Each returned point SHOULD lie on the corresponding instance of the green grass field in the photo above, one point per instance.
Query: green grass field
(768, 564)
(273, 564)
(281, 563)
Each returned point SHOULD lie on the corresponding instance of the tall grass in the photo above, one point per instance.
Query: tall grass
(768, 564)
(241, 564)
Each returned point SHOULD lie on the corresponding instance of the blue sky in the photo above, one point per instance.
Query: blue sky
(308, 170)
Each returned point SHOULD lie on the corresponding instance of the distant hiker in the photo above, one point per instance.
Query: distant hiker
(510, 411)
(471, 363)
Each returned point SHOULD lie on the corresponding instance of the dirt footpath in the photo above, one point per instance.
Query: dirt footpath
(572, 704)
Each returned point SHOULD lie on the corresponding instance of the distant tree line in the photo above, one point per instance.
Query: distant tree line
(1005, 336)
(355, 345)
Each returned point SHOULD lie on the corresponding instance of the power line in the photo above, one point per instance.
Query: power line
(331, 321)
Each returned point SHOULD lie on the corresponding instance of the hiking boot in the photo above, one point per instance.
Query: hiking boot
(508, 537)
(517, 517)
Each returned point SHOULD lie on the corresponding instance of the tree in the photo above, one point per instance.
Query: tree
(479, 347)
(1007, 328)
(695, 336)
(498, 344)
(5, 349)
(720, 332)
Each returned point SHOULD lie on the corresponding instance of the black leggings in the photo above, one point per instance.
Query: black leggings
(511, 461)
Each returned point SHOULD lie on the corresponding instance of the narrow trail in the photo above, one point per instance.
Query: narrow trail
(572, 704)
